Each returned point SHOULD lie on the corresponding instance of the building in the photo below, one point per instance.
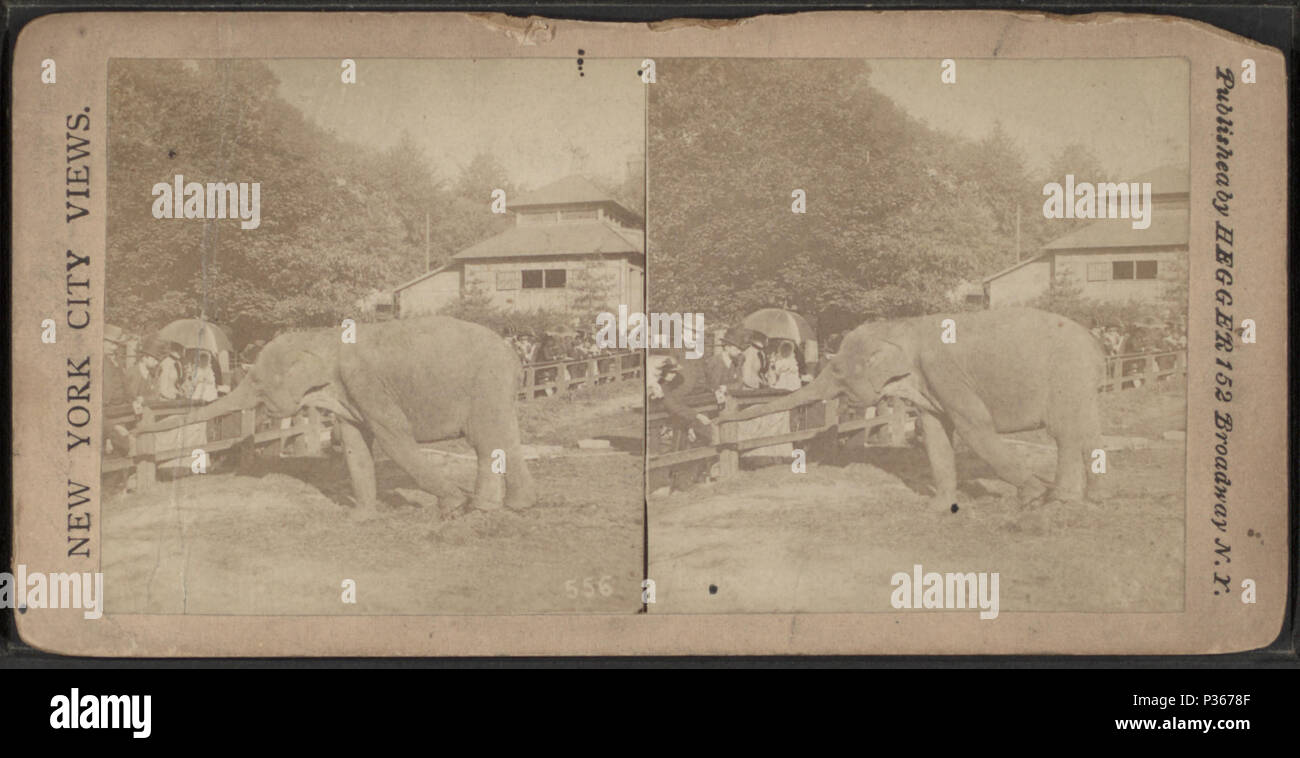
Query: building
(1107, 259)
(570, 242)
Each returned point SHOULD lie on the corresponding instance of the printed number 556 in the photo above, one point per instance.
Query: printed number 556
(590, 586)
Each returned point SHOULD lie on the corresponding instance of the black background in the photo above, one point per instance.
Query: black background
(974, 707)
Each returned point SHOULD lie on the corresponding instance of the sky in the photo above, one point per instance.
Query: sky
(1131, 113)
(525, 113)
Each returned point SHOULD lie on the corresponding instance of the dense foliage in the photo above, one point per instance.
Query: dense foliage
(339, 220)
(898, 213)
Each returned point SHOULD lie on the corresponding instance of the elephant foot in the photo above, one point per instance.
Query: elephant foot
(1033, 492)
(483, 504)
(516, 502)
(944, 503)
(1069, 497)
(451, 502)
(359, 514)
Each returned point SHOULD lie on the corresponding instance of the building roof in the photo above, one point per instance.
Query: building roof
(571, 190)
(575, 192)
(1168, 228)
(1013, 267)
(555, 239)
(420, 278)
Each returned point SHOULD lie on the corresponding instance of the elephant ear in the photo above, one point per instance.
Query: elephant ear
(886, 362)
(305, 371)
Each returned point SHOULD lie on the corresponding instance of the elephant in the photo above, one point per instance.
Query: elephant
(400, 383)
(1005, 370)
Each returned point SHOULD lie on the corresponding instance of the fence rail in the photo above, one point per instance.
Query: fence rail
(823, 421)
(246, 432)
(562, 377)
(1126, 372)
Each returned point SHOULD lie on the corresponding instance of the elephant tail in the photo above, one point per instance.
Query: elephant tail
(824, 387)
(241, 399)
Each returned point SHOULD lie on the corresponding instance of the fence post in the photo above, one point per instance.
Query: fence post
(146, 469)
(247, 445)
(823, 445)
(898, 416)
(311, 437)
(728, 455)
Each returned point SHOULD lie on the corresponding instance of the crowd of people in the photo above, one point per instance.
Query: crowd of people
(149, 372)
(140, 371)
(555, 346)
(748, 360)
(1141, 337)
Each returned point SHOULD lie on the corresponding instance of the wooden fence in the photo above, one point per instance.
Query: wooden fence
(821, 421)
(1126, 372)
(562, 377)
(247, 433)
(833, 419)
(250, 432)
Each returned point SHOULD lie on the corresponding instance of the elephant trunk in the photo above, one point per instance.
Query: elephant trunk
(242, 398)
(824, 387)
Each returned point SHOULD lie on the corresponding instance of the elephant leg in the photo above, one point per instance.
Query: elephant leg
(493, 430)
(1074, 421)
(1069, 482)
(1070, 464)
(394, 436)
(490, 482)
(361, 465)
(943, 464)
(520, 490)
(988, 446)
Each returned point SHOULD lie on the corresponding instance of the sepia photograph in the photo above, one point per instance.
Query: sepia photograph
(946, 329)
(815, 334)
(350, 354)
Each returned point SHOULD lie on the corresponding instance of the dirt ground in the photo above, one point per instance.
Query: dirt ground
(830, 539)
(277, 539)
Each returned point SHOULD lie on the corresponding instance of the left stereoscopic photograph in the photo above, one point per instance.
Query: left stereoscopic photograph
(352, 361)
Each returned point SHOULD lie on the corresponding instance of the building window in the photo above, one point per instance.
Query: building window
(578, 215)
(530, 218)
(508, 280)
(1098, 272)
(551, 278)
(1122, 269)
(1147, 269)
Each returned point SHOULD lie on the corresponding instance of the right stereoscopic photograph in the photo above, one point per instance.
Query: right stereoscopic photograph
(933, 343)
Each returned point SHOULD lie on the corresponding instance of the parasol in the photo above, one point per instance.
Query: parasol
(196, 334)
(780, 324)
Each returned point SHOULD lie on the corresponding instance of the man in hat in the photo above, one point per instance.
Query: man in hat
(753, 360)
(140, 380)
(167, 378)
(723, 372)
(679, 379)
(117, 392)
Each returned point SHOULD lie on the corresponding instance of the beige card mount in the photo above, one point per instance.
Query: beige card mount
(339, 334)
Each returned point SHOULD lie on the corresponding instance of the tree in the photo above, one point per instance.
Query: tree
(896, 213)
(338, 219)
